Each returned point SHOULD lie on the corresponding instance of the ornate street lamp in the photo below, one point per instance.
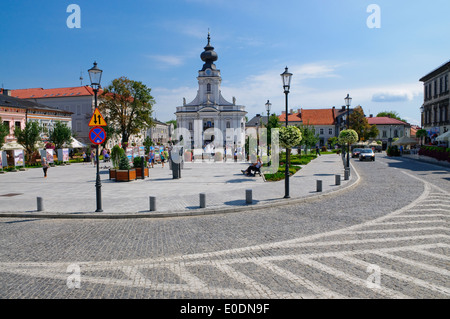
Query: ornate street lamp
(268, 106)
(286, 77)
(348, 102)
(95, 75)
(422, 109)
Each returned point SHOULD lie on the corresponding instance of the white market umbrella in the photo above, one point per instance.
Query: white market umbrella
(12, 146)
(444, 137)
(76, 144)
(405, 141)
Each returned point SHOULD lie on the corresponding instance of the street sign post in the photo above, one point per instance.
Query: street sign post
(97, 119)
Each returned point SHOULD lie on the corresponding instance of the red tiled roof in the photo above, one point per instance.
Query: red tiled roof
(318, 117)
(291, 117)
(385, 121)
(39, 93)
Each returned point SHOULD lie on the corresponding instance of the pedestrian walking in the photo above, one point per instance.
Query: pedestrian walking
(44, 166)
(318, 151)
(151, 158)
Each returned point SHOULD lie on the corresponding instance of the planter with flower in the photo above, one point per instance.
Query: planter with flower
(137, 164)
(125, 173)
(116, 154)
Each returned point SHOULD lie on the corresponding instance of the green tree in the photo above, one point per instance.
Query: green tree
(4, 131)
(290, 136)
(348, 137)
(28, 138)
(174, 122)
(421, 134)
(309, 137)
(272, 122)
(60, 135)
(333, 141)
(116, 154)
(147, 144)
(128, 105)
(359, 123)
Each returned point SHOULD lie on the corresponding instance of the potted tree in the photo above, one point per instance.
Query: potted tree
(116, 153)
(137, 164)
(125, 173)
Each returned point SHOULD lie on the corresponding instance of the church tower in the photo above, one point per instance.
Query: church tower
(209, 110)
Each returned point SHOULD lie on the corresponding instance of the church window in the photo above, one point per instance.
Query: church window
(208, 88)
(228, 124)
(190, 126)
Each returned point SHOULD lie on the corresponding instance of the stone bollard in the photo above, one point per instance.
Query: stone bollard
(40, 204)
(319, 186)
(248, 196)
(338, 179)
(346, 174)
(152, 203)
(202, 200)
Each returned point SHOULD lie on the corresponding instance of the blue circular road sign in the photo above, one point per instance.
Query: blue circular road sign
(97, 135)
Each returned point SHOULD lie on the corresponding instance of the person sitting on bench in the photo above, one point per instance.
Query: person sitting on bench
(256, 167)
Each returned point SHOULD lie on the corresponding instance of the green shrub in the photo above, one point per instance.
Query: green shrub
(137, 162)
(116, 155)
(123, 162)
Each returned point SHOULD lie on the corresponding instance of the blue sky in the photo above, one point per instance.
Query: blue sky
(326, 44)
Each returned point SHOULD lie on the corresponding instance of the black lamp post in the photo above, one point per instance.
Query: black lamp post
(348, 102)
(268, 105)
(95, 74)
(286, 77)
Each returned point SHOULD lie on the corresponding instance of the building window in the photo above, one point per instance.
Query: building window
(7, 124)
(190, 126)
(330, 131)
(395, 133)
(78, 126)
(17, 124)
(228, 124)
(321, 131)
(208, 88)
(446, 83)
(384, 133)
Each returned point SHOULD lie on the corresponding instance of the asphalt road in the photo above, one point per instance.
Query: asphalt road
(386, 238)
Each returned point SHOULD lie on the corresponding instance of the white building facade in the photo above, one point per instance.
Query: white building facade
(209, 118)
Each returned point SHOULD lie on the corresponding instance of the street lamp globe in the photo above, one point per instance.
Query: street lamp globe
(95, 74)
(286, 77)
(348, 100)
(268, 105)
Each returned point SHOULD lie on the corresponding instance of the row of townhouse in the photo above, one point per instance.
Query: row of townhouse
(15, 112)
(331, 121)
(79, 101)
(327, 122)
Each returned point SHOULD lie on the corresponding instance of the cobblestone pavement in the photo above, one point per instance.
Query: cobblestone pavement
(387, 238)
(71, 190)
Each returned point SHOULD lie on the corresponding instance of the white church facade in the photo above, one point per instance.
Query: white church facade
(210, 119)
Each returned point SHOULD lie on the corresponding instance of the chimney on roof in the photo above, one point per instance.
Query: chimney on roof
(371, 115)
(283, 112)
(299, 111)
(343, 108)
(7, 92)
(291, 111)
